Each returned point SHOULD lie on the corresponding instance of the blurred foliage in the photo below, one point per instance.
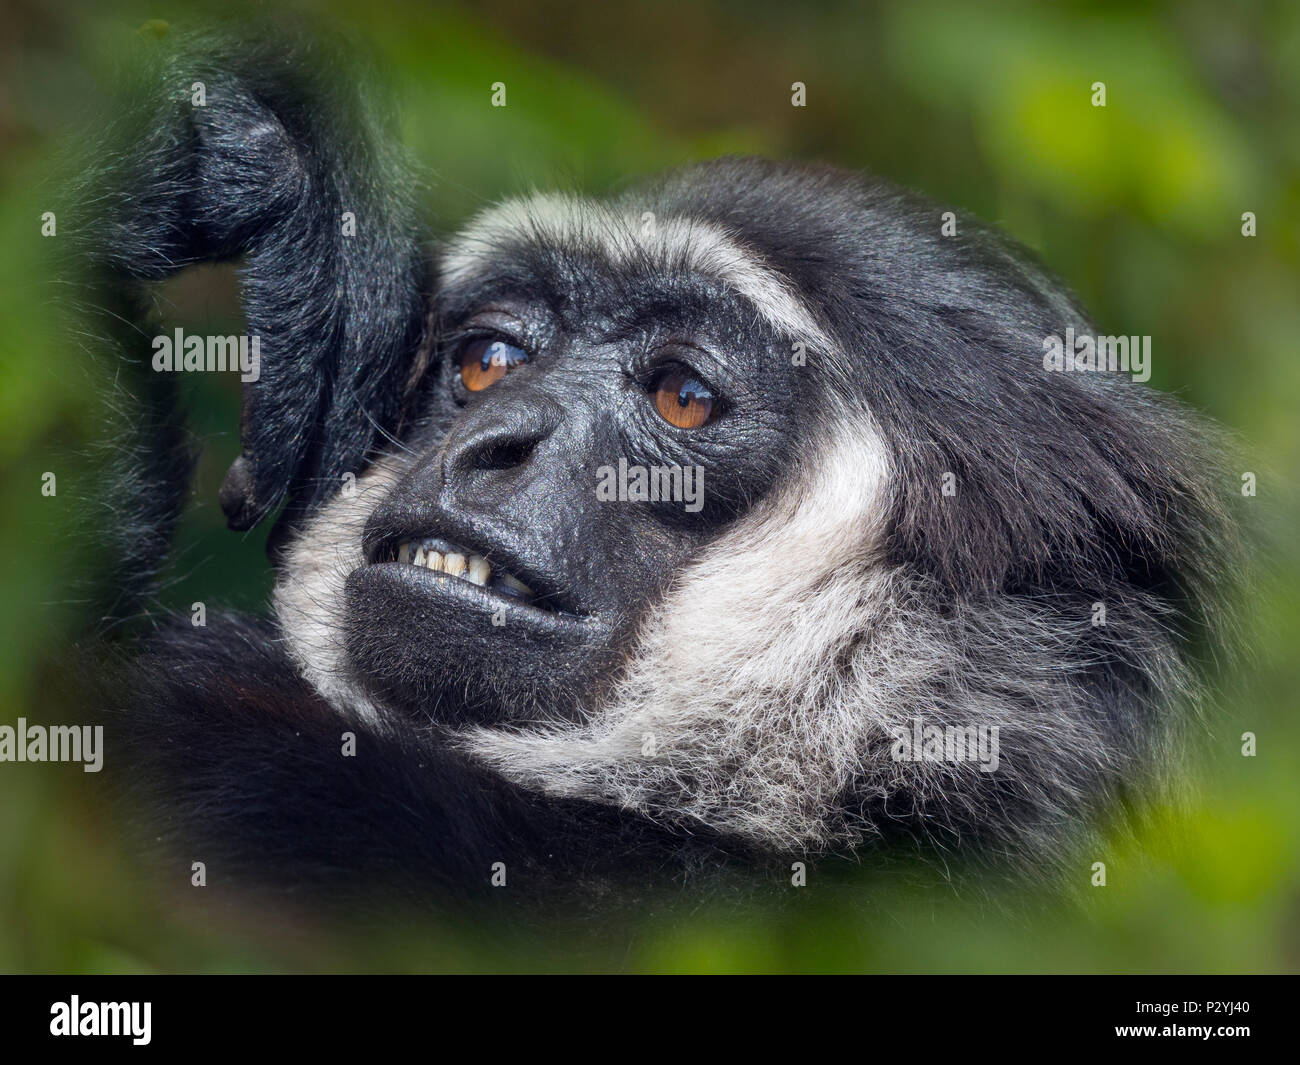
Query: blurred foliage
(985, 107)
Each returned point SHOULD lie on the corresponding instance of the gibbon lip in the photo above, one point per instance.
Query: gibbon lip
(447, 561)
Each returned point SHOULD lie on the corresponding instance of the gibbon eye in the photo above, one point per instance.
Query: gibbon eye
(681, 398)
(485, 361)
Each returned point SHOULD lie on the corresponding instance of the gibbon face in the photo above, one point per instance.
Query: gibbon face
(493, 564)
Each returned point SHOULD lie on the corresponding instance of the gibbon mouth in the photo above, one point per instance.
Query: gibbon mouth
(446, 561)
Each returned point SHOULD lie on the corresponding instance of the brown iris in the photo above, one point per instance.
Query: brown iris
(682, 399)
(485, 361)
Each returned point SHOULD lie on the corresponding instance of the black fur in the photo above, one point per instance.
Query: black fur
(235, 762)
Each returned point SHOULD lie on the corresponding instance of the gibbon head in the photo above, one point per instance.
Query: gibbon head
(885, 508)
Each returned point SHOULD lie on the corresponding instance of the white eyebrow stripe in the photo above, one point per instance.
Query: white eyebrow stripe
(624, 236)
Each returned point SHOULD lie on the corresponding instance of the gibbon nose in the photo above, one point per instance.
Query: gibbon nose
(496, 440)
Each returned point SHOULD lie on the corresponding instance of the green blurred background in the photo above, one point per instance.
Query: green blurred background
(985, 107)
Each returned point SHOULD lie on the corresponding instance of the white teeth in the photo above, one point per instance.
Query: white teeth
(460, 564)
(479, 570)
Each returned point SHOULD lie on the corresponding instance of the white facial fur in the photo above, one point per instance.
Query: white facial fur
(308, 597)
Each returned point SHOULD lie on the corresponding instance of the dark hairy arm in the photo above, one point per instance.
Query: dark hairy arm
(273, 150)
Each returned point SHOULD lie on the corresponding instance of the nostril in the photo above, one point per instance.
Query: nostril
(503, 454)
(498, 438)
